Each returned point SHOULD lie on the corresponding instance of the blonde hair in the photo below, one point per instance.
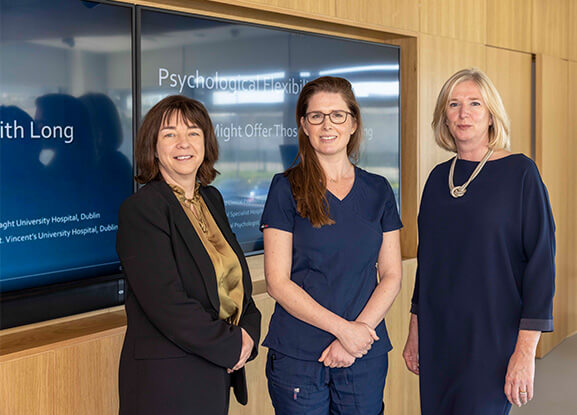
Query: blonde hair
(498, 130)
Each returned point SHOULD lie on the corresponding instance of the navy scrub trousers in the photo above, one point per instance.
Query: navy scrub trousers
(309, 388)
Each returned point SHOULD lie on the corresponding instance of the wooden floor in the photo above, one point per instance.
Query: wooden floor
(555, 382)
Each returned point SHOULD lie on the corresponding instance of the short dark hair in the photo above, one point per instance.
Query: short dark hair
(191, 111)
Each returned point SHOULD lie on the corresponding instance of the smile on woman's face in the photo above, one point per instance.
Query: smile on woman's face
(180, 150)
(328, 138)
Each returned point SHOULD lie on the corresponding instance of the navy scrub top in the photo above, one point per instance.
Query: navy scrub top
(334, 264)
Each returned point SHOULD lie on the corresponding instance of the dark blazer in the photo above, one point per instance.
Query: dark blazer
(176, 349)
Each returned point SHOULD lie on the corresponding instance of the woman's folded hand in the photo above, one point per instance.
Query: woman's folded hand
(245, 351)
(357, 338)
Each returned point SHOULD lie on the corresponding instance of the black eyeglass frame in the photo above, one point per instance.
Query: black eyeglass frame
(325, 115)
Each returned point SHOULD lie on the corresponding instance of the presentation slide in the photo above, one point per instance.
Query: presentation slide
(249, 78)
(65, 139)
(66, 120)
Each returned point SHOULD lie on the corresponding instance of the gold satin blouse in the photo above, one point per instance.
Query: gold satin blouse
(226, 264)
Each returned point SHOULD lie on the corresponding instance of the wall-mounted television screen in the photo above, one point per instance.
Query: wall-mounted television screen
(71, 83)
(249, 78)
(65, 149)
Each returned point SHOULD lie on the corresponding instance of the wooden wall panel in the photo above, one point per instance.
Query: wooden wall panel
(86, 381)
(317, 7)
(258, 398)
(572, 33)
(294, 19)
(26, 386)
(439, 58)
(511, 73)
(509, 24)
(552, 158)
(572, 201)
(402, 388)
(409, 144)
(457, 19)
(324, 7)
(550, 27)
(403, 14)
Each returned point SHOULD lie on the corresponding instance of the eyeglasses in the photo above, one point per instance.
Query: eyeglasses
(336, 117)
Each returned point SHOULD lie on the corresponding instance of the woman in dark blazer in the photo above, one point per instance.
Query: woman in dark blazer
(192, 324)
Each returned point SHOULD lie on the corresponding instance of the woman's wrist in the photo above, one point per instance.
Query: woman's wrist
(340, 327)
(527, 342)
(365, 320)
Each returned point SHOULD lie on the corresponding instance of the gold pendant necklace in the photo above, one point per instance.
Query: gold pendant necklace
(459, 191)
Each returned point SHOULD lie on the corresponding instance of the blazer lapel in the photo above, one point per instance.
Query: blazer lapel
(194, 245)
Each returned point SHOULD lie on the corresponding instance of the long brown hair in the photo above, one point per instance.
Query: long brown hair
(191, 111)
(307, 178)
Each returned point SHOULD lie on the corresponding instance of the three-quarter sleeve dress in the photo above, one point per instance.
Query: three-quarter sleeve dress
(485, 270)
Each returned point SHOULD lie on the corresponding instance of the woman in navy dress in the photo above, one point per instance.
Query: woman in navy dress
(485, 280)
(331, 233)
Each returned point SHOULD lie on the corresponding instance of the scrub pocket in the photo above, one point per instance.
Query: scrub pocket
(296, 387)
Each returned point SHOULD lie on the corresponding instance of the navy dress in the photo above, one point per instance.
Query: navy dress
(336, 264)
(486, 269)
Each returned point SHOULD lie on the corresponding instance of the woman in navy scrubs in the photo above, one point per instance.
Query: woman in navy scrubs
(485, 281)
(332, 263)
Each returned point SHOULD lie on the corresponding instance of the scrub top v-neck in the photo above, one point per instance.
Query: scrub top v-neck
(335, 264)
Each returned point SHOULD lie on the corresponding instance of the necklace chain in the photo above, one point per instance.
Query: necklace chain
(459, 191)
(330, 179)
(193, 204)
(196, 208)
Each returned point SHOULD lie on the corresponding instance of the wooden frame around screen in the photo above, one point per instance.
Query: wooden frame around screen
(406, 40)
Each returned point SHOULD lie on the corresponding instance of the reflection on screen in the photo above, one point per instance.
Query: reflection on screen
(65, 139)
(249, 79)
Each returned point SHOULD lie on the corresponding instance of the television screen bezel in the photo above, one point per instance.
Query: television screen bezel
(47, 302)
